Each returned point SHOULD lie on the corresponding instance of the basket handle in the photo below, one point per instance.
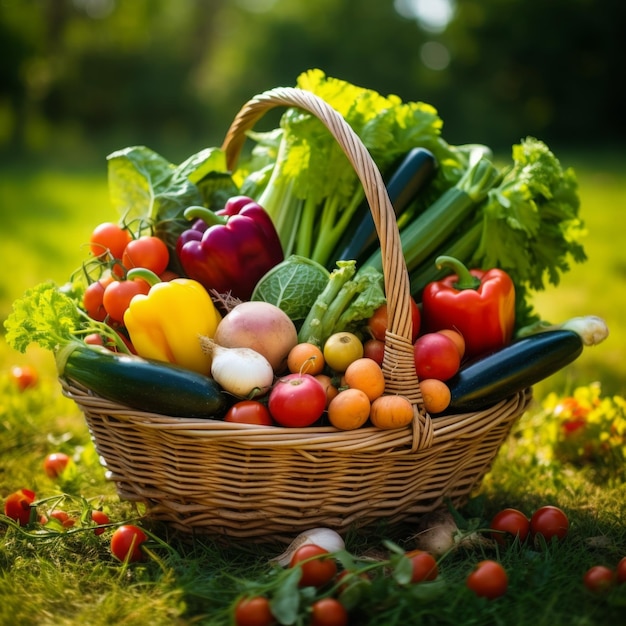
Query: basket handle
(398, 364)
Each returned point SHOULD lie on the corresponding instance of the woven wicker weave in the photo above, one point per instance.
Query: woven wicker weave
(208, 476)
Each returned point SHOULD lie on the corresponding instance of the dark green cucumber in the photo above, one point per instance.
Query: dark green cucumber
(148, 385)
(485, 381)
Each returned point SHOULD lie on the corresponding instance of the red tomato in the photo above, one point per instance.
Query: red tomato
(436, 356)
(378, 323)
(424, 566)
(24, 376)
(620, 571)
(254, 611)
(318, 567)
(297, 400)
(328, 612)
(374, 349)
(149, 252)
(54, 464)
(599, 579)
(99, 518)
(549, 521)
(119, 293)
(126, 543)
(510, 523)
(111, 237)
(249, 412)
(63, 517)
(93, 298)
(17, 506)
(488, 580)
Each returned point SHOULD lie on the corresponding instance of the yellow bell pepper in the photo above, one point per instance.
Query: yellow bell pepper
(166, 323)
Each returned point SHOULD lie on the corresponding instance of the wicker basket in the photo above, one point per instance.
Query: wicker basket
(255, 482)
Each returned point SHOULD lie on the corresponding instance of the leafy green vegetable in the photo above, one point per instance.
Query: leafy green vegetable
(293, 286)
(347, 301)
(531, 226)
(527, 224)
(146, 188)
(313, 191)
(50, 318)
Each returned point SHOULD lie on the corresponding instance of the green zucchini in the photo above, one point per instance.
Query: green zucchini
(485, 381)
(151, 386)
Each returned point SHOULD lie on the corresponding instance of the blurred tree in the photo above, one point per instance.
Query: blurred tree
(172, 74)
(552, 69)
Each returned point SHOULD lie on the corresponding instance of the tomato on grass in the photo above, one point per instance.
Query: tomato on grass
(318, 565)
(254, 611)
(17, 506)
(126, 543)
(55, 463)
(328, 612)
(620, 571)
(24, 376)
(599, 579)
(488, 580)
(508, 524)
(99, 518)
(549, 521)
(424, 566)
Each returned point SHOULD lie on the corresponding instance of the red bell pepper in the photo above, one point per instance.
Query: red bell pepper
(479, 304)
(231, 249)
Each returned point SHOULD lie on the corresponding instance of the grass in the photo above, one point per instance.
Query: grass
(69, 577)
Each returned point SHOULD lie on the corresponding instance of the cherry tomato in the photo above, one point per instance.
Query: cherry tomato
(93, 298)
(620, 571)
(17, 506)
(126, 543)
(249, 412)
(63, 517)
(99, 518)
(54, 464)
(254, 611)
(297, 400)
(488, 580)
(119, 293)
(318, 566)
(149, 252)
(341, 349)
(374, 349)
(424, 566)
(378, 323)
(549, 521)
(599, 579)
(510, 523)
(328, 612)
(109, 237)
(24, 376)
(436, 356)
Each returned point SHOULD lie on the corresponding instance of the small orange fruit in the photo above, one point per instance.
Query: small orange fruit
(305, 358)
(329, 387)
(365, 374)
(349, 409)
(391, 412)
(457, 337)
(435, 394)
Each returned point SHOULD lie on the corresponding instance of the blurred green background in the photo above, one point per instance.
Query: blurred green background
(82, 78)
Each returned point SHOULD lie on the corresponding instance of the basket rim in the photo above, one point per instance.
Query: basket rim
(311, 438)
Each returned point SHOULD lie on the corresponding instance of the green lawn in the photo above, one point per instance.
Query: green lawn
(70, 578)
